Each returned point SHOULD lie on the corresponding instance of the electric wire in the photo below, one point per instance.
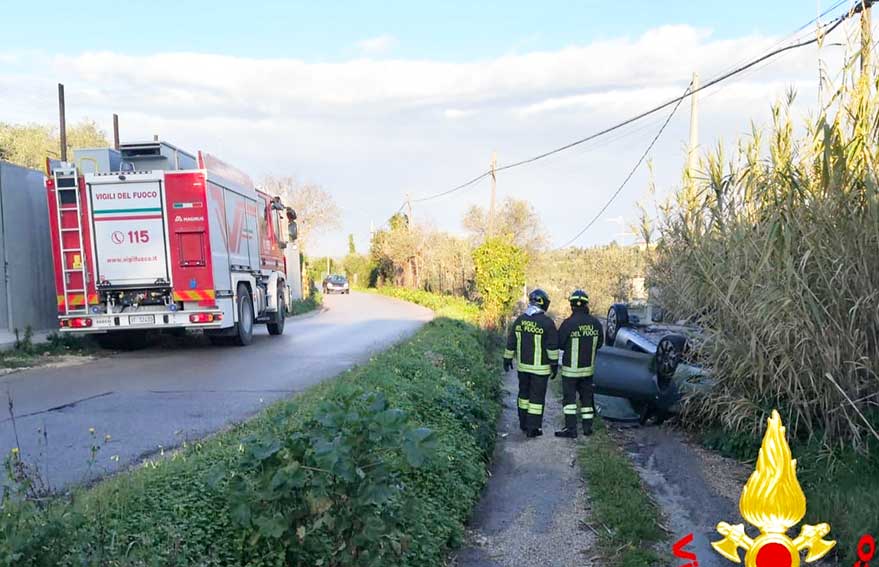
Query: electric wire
(631, 173)
(826, 30)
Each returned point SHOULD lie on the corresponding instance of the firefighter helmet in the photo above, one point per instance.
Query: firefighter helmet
(539, 298)
(579, 299)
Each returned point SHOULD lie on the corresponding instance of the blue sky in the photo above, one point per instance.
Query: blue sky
(373, 100)
(329, 31)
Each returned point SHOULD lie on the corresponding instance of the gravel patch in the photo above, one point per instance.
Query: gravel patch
(532, 510)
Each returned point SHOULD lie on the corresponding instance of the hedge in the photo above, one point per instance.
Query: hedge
(285, 488)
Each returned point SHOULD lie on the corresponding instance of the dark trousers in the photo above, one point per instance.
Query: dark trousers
(570, 388)
(532, 395)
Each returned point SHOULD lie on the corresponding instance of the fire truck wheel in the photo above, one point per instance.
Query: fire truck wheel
(244, 327)
(279, 319)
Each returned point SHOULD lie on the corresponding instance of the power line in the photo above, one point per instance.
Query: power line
(740, 69)
(686, 93)
(632, 172)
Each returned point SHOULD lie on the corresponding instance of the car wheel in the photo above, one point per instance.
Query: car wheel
(244, 327)
(617, 318)
(276, 326)
(669, 352)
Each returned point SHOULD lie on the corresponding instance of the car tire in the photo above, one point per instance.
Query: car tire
(244, 328)
(669, 353)
(617, 318)
(279, 318)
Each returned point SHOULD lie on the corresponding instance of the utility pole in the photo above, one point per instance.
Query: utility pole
(328, 266)
(866, 37)
(408, 211)
(493, 194)
(692, 150)
(115, 131)
(63, 121)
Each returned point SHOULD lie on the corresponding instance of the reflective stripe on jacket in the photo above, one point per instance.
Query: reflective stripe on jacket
(580, 337)
(534, 342)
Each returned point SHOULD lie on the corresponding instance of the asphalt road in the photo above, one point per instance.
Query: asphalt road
(155, 399)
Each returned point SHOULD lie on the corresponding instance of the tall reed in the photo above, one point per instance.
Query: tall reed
(776, 252)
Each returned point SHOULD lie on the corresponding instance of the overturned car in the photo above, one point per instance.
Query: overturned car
(646, 365)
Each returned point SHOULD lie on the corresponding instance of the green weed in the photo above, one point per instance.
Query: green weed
(624, 516)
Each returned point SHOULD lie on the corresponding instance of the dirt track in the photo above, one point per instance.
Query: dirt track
(694, 488)
(531, 510)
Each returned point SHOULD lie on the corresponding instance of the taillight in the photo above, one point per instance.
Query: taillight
(76, 322)
(205, 317)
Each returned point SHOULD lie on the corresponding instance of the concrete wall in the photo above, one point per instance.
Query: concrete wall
(294, 275)
(27, 285)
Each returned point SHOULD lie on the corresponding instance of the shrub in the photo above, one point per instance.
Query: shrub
(329, 492)
(500, 274)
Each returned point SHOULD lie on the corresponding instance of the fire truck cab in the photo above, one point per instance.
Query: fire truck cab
(151, 237)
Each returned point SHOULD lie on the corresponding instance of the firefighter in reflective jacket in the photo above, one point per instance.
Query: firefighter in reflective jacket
(580, 337)
(533, 341)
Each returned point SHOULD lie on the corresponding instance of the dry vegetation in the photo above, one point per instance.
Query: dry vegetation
(779, 256)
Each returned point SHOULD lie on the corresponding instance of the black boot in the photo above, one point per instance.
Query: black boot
(587, 427)
(534, 433)
(567, 432)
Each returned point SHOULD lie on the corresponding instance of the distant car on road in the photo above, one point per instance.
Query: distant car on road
(336, 284)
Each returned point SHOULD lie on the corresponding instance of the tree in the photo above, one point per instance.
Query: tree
(352, 249)
(515, 219)
(316, 210)
(85, 134)
(358, 268)
(29, 145)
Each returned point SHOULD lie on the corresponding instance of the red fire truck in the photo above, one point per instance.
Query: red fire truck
(155, 238)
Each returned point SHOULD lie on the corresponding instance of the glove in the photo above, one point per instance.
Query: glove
(553, 370)
(508, 364)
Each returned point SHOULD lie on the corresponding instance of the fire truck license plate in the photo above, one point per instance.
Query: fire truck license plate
(142, 319)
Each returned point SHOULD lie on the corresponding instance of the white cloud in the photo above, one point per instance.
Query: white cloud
(377, 45)
(455, 113)
(372, 130)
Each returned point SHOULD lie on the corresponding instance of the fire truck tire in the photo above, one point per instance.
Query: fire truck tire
(244, 328)
(279, 319)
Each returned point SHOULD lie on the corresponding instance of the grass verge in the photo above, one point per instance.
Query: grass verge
(626, 518)
(444, 305)
(186, 510)
(841, 487)
(26, 353)
(310, 303)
